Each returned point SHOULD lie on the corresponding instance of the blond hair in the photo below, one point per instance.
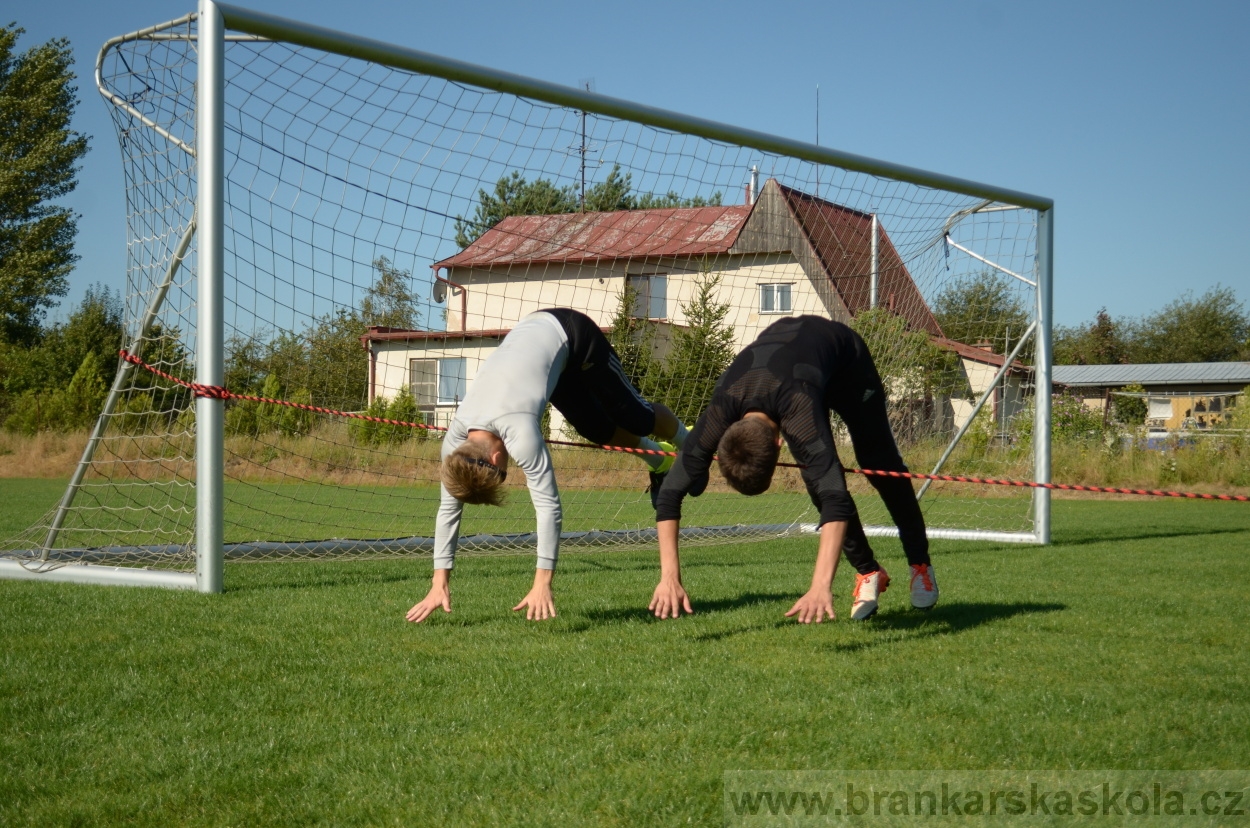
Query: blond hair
(470, 476)
(747, 455)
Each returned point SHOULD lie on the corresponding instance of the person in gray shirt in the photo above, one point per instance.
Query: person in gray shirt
(558, 356)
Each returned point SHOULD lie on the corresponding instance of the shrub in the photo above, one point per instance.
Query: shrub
(403, 407)
(67, 409)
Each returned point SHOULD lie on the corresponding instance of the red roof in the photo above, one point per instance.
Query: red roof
(977, 354)
(839, 238)
(842, 239)
(573, 237)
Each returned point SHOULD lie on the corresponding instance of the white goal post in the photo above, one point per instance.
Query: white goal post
(334, 221)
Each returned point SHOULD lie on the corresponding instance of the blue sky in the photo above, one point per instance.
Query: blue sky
(1133, 116)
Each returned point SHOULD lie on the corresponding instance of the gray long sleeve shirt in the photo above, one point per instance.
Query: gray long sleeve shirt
(507, 398)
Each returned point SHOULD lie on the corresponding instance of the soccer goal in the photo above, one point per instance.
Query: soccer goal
(328, 234)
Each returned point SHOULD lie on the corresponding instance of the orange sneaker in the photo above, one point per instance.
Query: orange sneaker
(924, 588)
(868, 589)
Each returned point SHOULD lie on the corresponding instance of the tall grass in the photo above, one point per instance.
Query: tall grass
(329, 455)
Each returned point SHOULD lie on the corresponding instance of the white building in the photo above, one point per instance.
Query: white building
(787, 253)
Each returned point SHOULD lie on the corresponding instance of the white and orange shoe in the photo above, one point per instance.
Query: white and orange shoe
(868, 589)
(924, 588)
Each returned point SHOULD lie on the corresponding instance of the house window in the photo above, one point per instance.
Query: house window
(437, 381)
(650, 296)
(775, 298)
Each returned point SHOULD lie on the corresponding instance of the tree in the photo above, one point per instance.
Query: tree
(633, 339)
(909, 364)
(38, 152)
(616, 193)
(94, 326)
(75, 406)
(515, 196)
(1103, 342)
(981, 308)
(1212, 328)
(388, 302)
(1130, 411)
(701, 351)
(611, 194)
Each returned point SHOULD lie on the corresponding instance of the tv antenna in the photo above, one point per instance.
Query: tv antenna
(584, 148)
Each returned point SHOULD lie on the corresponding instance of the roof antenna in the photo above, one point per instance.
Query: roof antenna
(589, 85)
(818, 138)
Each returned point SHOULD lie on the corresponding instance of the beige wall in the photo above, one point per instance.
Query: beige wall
(1009, 402)
(497, 299)
(392, 365)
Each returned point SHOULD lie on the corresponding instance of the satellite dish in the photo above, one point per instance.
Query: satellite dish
(440, 292)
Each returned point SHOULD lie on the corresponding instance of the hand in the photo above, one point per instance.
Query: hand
(539, 604)
(813, 607)
(439, 596)
(669, 597)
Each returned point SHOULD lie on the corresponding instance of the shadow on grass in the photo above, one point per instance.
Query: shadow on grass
(748, 599)
(947, 619)
(297, 579)
(1073, 538)
(650, 564)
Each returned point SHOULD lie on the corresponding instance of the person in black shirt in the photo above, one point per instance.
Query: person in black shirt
(785, 384)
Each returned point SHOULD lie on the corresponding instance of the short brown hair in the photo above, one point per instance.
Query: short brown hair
(470, 476)
(748, 454)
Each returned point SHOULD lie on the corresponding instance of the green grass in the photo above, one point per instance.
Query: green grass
(300, 696)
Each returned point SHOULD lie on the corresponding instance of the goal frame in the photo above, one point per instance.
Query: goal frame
(216, 23)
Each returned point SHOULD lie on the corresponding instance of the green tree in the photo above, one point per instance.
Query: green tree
(337, 373)
(1211, 328)
(388, 302)
(1130, 411)
(515, 196)
(983, 307)
(610, 194)
(649, 201)
(1103, 342)
(326, 361)
(401, 408)
(38, 153)
(910, 365)
(701, 350)
(94, 326)
(633, 339)
(75, 406)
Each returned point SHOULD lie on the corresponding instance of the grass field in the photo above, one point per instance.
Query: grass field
(300, 696)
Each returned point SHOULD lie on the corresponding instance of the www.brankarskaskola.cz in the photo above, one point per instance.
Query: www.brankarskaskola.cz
(1156, 800)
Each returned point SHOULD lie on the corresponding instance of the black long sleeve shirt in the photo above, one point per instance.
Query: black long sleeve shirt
(795, 372)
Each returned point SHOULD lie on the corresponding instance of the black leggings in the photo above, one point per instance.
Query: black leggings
(593, 393)
(861, 405)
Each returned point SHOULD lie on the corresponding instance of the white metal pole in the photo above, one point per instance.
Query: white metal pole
(1042, 392)
(209, 413)
(876, 263)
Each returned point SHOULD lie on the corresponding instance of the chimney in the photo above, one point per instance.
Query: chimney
(753, 186)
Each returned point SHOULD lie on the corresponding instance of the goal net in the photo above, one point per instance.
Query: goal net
(386, 217)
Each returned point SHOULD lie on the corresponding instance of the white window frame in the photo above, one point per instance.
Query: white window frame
(437, 395)
(771, 289)
(644, 297)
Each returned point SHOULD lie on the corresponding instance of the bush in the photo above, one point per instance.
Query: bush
(1130, 411)
(68, 409)
(403, 407)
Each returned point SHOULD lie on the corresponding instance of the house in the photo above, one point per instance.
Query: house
(1007, 397)
(1180, 396)
(783, 253)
